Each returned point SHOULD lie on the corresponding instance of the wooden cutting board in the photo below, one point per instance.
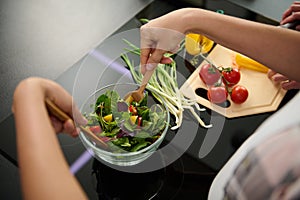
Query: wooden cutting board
(264, 95)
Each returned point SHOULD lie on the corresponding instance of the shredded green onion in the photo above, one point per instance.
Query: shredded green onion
(164, 83)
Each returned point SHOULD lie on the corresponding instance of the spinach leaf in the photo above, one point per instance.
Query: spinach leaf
(123, 141)
(140, 145)
(142, 134)
(144, 101)
(111, 133)
(143, 112)
(115, 97)
(107, 102)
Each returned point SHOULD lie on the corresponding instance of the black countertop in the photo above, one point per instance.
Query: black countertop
(263, 8)
(188, 177)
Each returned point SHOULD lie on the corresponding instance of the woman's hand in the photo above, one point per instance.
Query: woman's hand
(283, 80)
(32, 93)
(292, 14)
(159, 36)
(68, 126)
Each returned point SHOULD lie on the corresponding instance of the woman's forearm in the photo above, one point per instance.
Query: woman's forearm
(44, 170)
(261, 42)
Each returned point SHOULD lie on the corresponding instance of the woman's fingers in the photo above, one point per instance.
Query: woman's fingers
(153, 60)
(57, 125)
(271, 73)
(166, 60)
(67, 127)
(145, 54)
(289, 85)
(292, 13)
(283, 81)
(64, 101)
(277, 78)
(70, 128)
(156, 40)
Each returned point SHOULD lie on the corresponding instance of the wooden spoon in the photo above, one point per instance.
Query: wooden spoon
(138, 94)
(62, 116)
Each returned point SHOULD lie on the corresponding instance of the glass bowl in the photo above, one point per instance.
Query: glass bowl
(114, 154)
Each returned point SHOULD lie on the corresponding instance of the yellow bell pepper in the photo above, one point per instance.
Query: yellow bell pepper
(133, 119)
(243, 61)
(195, 43)
(108, 118)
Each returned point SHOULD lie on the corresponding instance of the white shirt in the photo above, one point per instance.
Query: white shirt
(287, 116)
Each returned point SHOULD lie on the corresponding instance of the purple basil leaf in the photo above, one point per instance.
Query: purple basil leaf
(124, 131)
(122, 106)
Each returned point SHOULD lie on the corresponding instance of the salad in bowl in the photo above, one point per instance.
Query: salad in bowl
(128, 131)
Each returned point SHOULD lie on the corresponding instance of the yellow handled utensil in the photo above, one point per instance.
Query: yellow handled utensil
(138, 94)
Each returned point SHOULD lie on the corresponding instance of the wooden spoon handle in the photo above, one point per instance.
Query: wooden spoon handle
(147, 77)
(62, 116)
(56, 111)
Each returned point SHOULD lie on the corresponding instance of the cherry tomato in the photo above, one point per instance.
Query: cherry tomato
(95, 129)
(132, 109)
(239, 94)
(217, 94)
(209, 75)
(231, 76)
(140, 121)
